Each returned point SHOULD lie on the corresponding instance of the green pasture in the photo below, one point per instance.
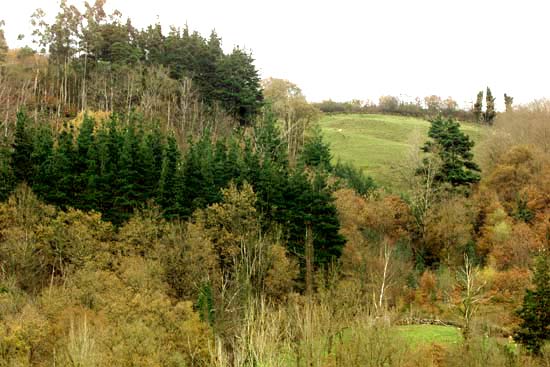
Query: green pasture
(378, 144)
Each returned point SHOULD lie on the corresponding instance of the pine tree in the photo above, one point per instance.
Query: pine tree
(42, 159)
(128, 188)
(269, 144)
(109, 141)
(310, 203)
(508, 102)
(478, 106)
(7, 178)
(22, 149)
(150, 163)
(454, 149)
(534, 328)
(354, 178)
(238, 88)
(199, 173)
(490, 113)
(63, 190)
(316, 153)
(169, 197)
(85, 165)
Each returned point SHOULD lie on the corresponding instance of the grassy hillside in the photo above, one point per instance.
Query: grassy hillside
(377, 143)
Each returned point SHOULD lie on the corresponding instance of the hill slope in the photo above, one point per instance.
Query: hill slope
(378, 144)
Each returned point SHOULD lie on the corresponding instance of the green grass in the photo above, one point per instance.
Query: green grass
(377, 143)
(427, 334)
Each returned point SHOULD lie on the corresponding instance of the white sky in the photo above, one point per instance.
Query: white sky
(345, 49)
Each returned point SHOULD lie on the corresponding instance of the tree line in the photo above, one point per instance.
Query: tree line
(87, 59)
(428, 107)
(116, 167)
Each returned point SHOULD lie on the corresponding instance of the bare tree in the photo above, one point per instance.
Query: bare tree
(471, 295)
(419, 178)
(387, 252)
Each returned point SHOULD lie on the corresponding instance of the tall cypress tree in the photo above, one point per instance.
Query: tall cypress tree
(478, 107)
(508, 102)
(490, 113)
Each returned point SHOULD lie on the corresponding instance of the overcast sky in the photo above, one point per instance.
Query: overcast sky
(344, 49)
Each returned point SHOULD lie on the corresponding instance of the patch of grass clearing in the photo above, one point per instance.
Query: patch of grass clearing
(378, 144)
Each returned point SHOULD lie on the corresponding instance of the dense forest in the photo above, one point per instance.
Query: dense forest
(160, 205)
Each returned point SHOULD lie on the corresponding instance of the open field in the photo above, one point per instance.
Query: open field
(378, 143)
(427, 334)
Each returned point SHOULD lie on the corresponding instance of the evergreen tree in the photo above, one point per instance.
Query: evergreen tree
(199, 173)
(454, 149)
(478, 106)
(169, 197)
(354, 178)
(7, 178)
(150, 163)
(85, 164)
(273, 176)
(238, 88)
(251, 162)
(490, 113)
(508, 102)
(328, 242)
(316, 153)
(42, 158)
(109, 141)
(534, 328)
(3, 44)
(310, 203)
(62, 171)
(22, 149)
(129, 191)
(269, 144)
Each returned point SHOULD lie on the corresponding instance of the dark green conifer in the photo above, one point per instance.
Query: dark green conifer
(478, 107)
(85, 165)
(22, 149)
(42, 160)
(490, 112)
(534, 329)
(508, 103)
(454, 149)
(316, 153)
(62, 171)
(128, 189)
(169, 197)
